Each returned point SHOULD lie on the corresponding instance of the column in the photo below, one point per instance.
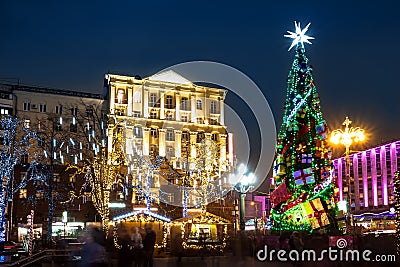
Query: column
(365, 177)
(356, 182)
(178, 144)
(112, 100)
(162, 112)
(193, 107)
(340, 178)
(129, 141)
(221, 111)
(384, 176)
(161, 142)
(130, 89)
(146, 103)
(193, 141)
(177, 107)
(222, 152)
(146, 141)
(374, 177)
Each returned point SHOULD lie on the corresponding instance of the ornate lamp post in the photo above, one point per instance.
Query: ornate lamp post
(347, 137)
(242, 185)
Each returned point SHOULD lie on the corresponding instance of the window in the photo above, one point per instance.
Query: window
(24, 159)
(153, 100)
(154, 114)
(23, 193)
(42, 108)
(59, 109)
(184, 118)
(137, 131)
(137, 97)
(184, 103)
(200, 137)
(185, 136)
(169, 116)
(170, 135)
(89, 111)
(4, 111)
(136, 114)
(199, 104)
(215, 137)
(39, 194)
(58, 127)
(213, 107)
(121, 96)
(153, 133)
(199, 120)
(27, 124)
(74, 111)
(56, 178)
(169, 102)
(27, 106)
(170, 151)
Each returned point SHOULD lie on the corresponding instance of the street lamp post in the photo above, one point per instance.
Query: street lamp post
(242, 186)
(346, 138)
(255, 217)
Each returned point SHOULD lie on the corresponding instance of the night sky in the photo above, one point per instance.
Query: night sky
(355, 55)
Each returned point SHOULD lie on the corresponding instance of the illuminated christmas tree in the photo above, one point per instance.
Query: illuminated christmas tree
(304, 196)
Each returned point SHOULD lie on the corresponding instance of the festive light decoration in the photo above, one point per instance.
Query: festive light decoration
(17, 142)
(299, 37)
(302, 163)
(397, 209)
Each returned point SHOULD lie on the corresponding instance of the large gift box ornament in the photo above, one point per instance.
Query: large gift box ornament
(304, 176)
(279, 166)
(306, 158)
(325, 173)
(279, 195)
(314, 211)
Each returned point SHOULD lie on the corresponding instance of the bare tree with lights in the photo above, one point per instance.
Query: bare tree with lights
(16, 147)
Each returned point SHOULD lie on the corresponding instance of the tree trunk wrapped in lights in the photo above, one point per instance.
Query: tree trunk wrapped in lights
(302, 162)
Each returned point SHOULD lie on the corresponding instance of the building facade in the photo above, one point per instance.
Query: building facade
(168, 116)
(63, 121)
(372, 178)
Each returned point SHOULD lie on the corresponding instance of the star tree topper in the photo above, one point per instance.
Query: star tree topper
(299, 35)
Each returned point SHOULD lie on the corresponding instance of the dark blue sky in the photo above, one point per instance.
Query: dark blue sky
(355, 55)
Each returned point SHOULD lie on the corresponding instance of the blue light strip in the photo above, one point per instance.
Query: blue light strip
(149, 213)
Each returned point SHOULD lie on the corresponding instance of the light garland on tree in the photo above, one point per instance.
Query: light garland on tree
(304, 197)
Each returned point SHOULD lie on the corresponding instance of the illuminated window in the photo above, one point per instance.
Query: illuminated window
(153, 132)
(27, 124)
(137, 97)
(154, 114)
(74, 111)
(138, 131)
(23, 193)
(184, 118)
(169, 116)
(121, 97)
(4, 111)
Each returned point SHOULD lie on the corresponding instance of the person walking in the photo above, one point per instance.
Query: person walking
(93, 254)
(148, 246)
(137, 247)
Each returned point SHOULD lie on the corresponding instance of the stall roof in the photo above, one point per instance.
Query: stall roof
(137, 214)
(204, 218)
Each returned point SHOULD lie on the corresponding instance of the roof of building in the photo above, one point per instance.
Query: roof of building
(46, 90)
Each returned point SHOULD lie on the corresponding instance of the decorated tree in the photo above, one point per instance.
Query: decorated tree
(16, 148)
(304, 196)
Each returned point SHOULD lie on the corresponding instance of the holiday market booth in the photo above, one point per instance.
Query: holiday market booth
(128, 221)
(200, 231)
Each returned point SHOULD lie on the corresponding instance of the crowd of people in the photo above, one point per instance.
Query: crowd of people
(134, 250)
